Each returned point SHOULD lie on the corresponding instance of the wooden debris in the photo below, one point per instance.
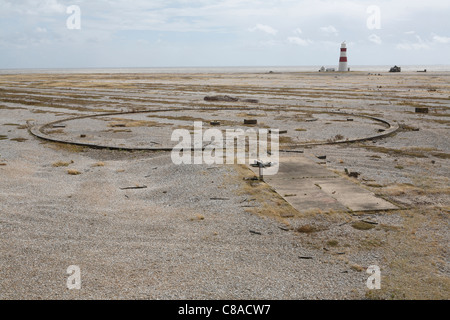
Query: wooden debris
(293, 151)
(421, 110)
(370, 222)
(132, 188)
(279, 131)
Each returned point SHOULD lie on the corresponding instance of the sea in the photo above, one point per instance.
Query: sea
(253, 69)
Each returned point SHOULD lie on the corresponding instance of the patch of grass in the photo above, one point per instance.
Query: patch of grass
(271, 204)
(61, 164)
(416, 258)
(411, 104)
(440, 114)
(300, 129)
(446, 122)
(10, 108)
(3, 137)
(399, 167)
(370, 244)
(374, 185)
(198, 217)
(67, 147)
(333, 243)
(190, 128)
(361, 225)
(307, 228)
(19, 139)
(73, 172)
(285, 140)
(415, 152)
(98, 164)
(406, 188)
(441, 155)
(357, 267)
(405, 127)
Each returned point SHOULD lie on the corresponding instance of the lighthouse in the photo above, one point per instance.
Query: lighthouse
(343, 59)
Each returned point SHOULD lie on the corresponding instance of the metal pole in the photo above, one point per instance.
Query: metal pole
(261, 166)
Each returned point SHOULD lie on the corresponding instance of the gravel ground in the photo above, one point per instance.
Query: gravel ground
(168, 241)
(174, 239)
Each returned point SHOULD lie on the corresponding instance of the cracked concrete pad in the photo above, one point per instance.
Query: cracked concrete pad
(307, 185)
(353, 196)
(300, 167)
(305, 195)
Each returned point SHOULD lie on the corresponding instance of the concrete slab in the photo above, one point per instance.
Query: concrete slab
(353, 196)
(307, 185)
(308, 196)
(300, 167)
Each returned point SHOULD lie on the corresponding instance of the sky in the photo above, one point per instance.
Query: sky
(193, 33)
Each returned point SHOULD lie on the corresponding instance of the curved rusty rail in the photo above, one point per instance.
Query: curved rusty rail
(38, 131)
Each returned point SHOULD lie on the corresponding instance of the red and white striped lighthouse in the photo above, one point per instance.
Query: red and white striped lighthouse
(343, 66)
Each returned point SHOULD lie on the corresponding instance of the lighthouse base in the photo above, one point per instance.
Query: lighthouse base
(343, 67)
